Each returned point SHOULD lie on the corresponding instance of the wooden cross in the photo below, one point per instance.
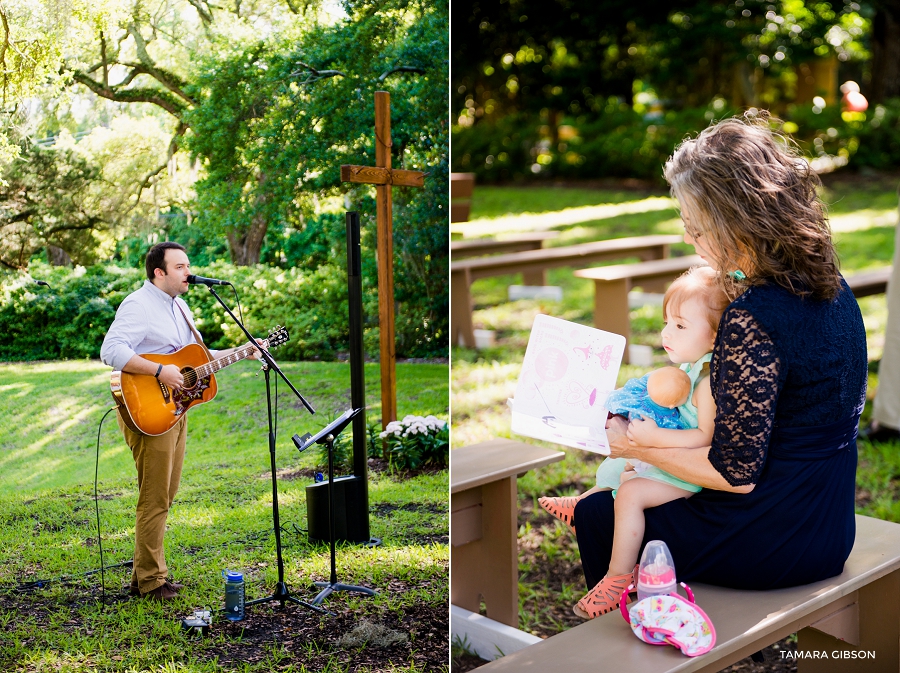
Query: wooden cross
(383, 177)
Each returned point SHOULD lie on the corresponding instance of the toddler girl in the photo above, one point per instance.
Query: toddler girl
(692, 307)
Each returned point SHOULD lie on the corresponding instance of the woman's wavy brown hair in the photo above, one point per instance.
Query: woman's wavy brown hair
(755, 198)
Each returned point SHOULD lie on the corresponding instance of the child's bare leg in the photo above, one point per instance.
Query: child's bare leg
(633, 497)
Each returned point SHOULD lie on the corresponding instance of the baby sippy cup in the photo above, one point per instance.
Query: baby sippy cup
(656, 575)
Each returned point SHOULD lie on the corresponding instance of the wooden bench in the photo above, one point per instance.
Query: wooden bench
(867, 283)
(852, 619)
(461, 187)
(613, 283)
(533, 264)
(484, 563)
(475, 247)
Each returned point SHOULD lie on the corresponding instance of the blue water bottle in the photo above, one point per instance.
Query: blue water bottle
(234, 595)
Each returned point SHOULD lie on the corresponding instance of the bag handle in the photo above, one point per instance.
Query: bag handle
(624, 608)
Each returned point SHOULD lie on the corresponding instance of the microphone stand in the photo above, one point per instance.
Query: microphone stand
(281, 594)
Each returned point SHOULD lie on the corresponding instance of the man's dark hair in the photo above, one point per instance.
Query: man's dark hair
(156, 258)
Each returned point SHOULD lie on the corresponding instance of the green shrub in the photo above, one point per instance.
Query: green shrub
(70, 319)
(619, 142)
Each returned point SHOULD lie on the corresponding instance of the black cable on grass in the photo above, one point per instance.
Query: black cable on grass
(24, 587)
(97, 508)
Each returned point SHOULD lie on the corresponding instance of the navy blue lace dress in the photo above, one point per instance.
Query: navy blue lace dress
(789, 379)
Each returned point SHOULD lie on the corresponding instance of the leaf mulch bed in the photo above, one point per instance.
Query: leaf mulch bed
(415, 635)
(374, 637)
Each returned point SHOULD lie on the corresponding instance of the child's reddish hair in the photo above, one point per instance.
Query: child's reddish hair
(698, 282)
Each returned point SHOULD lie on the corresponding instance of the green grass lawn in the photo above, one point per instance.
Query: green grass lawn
(863, 213)
(221, 519)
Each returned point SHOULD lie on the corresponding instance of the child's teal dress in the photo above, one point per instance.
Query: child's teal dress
(610, 471)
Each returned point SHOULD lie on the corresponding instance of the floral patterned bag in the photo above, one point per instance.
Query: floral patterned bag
(671, 620)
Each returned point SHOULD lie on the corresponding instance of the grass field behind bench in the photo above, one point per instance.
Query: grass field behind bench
(863, 213)
(221, 519)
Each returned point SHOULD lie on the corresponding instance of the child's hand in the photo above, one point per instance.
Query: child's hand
(640, 432)
(627, 473)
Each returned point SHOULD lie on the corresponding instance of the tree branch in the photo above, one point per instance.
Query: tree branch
(144, 185)
(169, 80)
(103, 60)
(401, 68)
(3, 51)
(205, 13)
(173, 144)
(315, 75)
(162, 99)
(91, 224)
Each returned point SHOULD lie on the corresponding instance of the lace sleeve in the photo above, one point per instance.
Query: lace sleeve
(745, 382)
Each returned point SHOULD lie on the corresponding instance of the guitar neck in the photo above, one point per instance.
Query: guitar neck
(215, 365)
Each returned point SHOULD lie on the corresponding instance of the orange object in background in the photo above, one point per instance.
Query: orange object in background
(853, 100)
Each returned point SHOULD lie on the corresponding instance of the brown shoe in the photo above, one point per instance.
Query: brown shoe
(161, 593)
(133, 589)
(174, 586)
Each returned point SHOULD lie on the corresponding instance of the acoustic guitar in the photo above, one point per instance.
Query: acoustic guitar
(148, 405)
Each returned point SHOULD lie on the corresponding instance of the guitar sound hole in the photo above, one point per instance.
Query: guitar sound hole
(190, 377)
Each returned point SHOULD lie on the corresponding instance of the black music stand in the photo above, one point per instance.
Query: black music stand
(281, 594)
(327, 436)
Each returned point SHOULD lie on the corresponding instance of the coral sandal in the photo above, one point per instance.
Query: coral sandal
(562, 508)
(604, 597)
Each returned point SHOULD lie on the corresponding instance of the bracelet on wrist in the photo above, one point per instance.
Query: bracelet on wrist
(158, 371)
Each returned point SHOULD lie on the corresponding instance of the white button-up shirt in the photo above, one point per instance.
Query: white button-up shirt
(148, 321)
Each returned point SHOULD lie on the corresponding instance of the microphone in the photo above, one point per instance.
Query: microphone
(200, 280)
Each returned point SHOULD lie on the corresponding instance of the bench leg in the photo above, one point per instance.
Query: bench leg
(534, 278)
(879, 636)
(461, 310)
(489, 568)
(611, 309)
(654, 252)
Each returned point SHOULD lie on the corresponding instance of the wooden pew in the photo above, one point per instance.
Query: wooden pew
(483, 527)
(533, 264)
(461, 187)
(866, 283)
(476, 247)
(612, 284)
(848, 624)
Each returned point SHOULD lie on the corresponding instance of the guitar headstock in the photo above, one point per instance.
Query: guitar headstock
(277, 336)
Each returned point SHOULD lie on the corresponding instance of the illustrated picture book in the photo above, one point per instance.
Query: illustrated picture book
(567, 374)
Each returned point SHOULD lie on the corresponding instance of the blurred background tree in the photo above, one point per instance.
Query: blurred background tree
(561, 88)
(223, 126)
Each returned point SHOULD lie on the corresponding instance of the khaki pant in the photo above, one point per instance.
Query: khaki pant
(158, 461)
(886, 409)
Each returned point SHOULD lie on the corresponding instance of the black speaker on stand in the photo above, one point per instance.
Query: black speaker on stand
(351, 493)
(327, 437)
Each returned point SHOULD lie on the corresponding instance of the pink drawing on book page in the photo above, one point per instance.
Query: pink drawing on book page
(551, 364)
(595, 350)
(578, 395)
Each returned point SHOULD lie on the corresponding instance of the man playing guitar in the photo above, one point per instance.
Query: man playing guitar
(154, 319)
